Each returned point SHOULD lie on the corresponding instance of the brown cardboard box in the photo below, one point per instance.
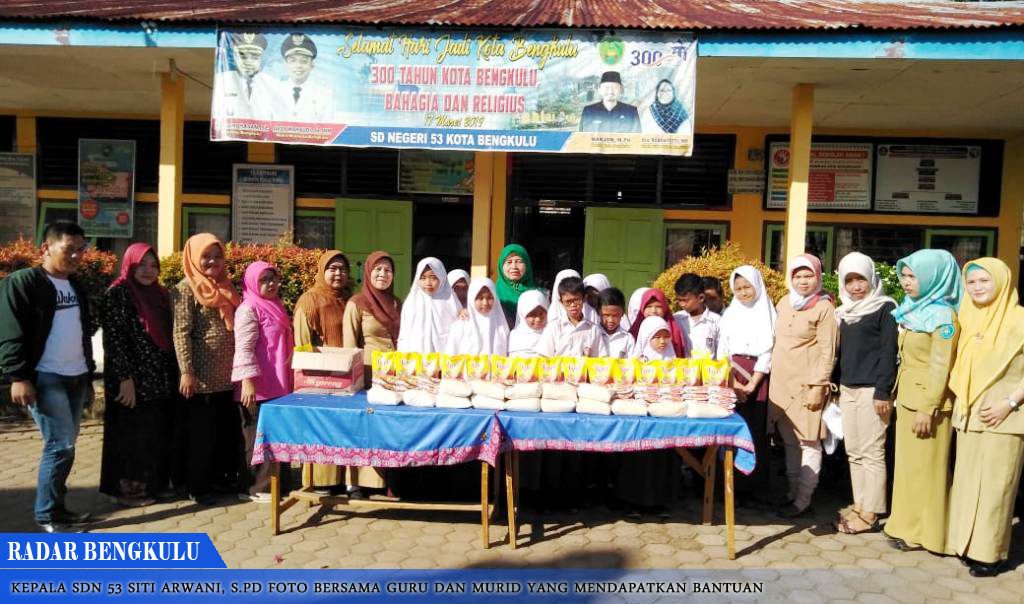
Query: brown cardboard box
(330, 370)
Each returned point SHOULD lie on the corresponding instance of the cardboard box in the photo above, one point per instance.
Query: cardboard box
(338, 371)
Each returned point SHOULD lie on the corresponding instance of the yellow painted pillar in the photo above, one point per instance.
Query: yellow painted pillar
(746, 217)
(25, 134)
(172, 130)
(800, 125)
(499, 202)
(260, 153)
(483, 186)
(1011, 207)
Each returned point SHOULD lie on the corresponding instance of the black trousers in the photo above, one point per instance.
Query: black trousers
(253, 479)
(214, 443)
(758, 483)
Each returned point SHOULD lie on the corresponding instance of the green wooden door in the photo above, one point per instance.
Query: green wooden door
(366, 225)
(627, 245)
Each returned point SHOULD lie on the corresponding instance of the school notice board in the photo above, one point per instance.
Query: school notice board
(262, 202)
(928, 178)
(840, 176)
(592, 91)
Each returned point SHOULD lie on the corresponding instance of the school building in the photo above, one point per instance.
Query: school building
(831, 74)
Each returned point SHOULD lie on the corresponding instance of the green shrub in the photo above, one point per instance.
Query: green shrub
(297, 265)
(95, 272)
(720, 262)
(890, 282)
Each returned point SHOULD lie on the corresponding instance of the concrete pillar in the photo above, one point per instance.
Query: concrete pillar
(172, 133)
(800, 126)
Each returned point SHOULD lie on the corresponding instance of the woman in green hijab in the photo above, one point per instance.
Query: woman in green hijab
(924, 402)
(515, 276)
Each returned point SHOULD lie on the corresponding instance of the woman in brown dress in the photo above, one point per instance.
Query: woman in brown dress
(317, 321)
(806, 335)
(371, 322)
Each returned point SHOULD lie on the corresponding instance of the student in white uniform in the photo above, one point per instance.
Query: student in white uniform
(698, 323)
(485, 331)
(569, 332)
(611, 304)
(302, 99)
(593, 285)
(245, 91)
(633, 310)
(531, 317)
(430, 310)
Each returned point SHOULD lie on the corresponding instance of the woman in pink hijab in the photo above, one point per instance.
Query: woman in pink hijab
(262, 363)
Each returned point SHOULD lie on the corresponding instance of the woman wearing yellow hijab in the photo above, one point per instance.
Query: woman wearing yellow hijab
(988, 379)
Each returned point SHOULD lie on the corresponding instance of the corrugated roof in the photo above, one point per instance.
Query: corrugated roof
(666, 14)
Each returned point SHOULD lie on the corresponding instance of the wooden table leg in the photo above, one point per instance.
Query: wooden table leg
(710, 457)
(510, 497)
(730, 510)
(485, 515)
(275, 498)
(307, 481)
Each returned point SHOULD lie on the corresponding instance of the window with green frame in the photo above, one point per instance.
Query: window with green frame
(51, 211)
(964, 244)
(684, 239)
(205, 219)
(820, 241)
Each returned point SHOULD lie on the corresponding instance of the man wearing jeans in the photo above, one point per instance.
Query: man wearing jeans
(46, 355)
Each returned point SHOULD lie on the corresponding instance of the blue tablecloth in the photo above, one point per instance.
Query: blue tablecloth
(349, 431)
(524, 431)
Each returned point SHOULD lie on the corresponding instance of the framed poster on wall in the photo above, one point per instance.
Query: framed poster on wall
(106, 187)
(941, 179)
(840, 177)
(17, 196)
(262, 202)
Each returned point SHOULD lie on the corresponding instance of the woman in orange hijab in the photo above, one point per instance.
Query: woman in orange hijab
(204, 304)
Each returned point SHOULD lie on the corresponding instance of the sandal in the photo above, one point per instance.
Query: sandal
(843, 526)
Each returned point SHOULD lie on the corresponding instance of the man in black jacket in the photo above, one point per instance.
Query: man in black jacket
(46, 355)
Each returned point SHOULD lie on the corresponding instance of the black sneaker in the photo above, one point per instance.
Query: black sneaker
(65, 516)
(981, 569)
(55, 527)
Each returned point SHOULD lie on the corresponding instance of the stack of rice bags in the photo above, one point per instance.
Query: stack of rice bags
(488, 378)
(559, 377)
(712, 398)
(387, 385)
(596, 396)
(525, 391)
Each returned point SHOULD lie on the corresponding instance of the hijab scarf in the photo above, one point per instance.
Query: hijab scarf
(381, 303)
(642, 349)
(523, 339)
(216, 293)
(427, 319)
(153, 302)
(508, 290)
(940, 286)
(798, 301)
(483, 334)
(322, 305)
(453, 278)
(634, 304)
(991, 336)
(853, 311)
(274, 348)
(597, 281)
(669, 116)
(678, 342)
(752, 325)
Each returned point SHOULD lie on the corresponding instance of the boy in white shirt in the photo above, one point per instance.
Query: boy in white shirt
(612, 305)
(698, 324)
(570, 333)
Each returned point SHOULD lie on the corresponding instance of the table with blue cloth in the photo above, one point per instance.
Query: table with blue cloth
(350, 431)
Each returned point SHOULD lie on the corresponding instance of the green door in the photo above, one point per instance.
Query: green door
(627, 245)
(366, 225)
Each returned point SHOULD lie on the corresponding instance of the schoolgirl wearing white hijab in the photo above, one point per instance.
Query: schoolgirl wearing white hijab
(634, 304)
(485, 331)
(454, 276)
(746, 335)
(593, 286)
(868, 344)
(652, 328)
(522, 341)
(430, 310)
